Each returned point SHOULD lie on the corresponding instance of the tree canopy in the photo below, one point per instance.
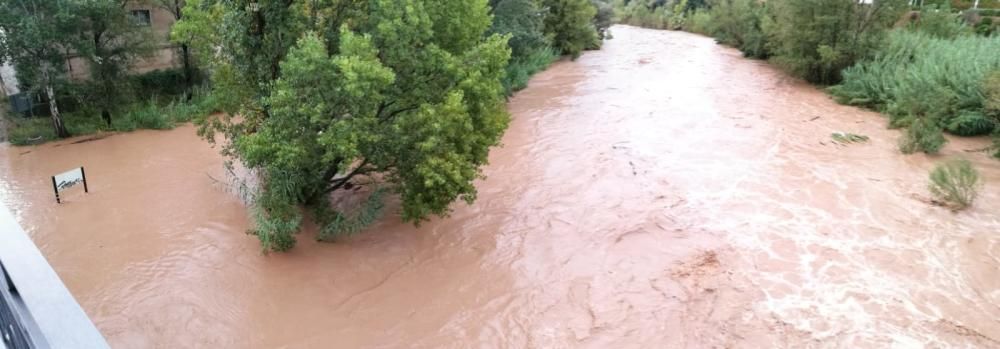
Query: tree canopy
(403, 95)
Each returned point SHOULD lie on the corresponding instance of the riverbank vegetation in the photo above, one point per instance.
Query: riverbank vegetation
(401, 97)
(955, 184)
(928, 69)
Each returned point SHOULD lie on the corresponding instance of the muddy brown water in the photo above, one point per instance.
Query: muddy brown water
(662, 192)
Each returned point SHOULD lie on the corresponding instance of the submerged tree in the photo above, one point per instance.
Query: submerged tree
(334, 94)
(35, 36)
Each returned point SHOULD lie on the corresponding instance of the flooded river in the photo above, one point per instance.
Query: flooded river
(662, 192)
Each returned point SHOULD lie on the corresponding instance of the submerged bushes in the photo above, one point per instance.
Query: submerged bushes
(935, 83)
(955, 184)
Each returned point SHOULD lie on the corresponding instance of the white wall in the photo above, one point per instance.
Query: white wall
(9, 80)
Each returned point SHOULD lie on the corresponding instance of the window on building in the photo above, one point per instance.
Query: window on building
(141, 17)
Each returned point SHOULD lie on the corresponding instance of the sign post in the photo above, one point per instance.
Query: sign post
(68, 179)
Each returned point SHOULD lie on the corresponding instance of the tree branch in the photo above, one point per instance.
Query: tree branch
(341, 182)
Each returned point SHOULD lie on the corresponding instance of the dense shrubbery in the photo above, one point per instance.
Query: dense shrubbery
(742, 24)
(816, 39)
(917, 76)
(570, 25)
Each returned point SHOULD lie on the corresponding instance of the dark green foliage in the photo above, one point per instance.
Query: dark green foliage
(970, 123)
(955, 184)
(406, 94)
(523, 21)
(520, 69)
(985, 27)
(816, 39)
(160, 82)
(569, 24)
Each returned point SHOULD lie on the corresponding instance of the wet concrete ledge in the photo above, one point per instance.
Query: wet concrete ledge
(32, 295)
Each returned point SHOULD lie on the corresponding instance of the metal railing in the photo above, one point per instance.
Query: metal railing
(36, 309)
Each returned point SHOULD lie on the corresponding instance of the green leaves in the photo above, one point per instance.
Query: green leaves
(569, 25)
(409, 97)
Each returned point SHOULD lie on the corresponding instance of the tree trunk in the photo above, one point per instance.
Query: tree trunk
(188, 73)
(57, 121)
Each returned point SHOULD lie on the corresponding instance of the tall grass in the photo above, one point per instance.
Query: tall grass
(919, 76)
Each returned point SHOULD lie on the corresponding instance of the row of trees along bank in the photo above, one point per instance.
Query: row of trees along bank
(401, 96)
(42, 39)
(930, 69)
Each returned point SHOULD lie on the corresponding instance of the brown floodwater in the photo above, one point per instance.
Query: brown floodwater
(662, 192)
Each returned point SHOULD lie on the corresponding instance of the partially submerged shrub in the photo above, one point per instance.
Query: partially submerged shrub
(955, 183)
(923, 135)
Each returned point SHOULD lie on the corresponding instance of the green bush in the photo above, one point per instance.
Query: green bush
(970, 123)
(520, 69)
(917, 75)
(924, 135)
(569, 24)
(522, 20)
(955, 183)
(701, 22)
(985, 27)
